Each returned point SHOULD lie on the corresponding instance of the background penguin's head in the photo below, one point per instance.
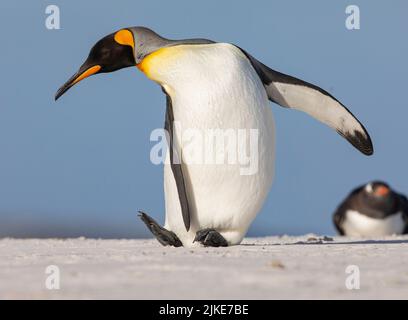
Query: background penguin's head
(111, 53)
(377, 189)
(378, 194)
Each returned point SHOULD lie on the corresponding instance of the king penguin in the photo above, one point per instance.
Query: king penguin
(372, 210)
(211, 85)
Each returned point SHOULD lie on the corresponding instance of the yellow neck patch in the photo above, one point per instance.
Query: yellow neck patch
(159, 61)
(125, 37)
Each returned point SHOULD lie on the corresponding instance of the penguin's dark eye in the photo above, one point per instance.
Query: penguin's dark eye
(105, 54)
(111, 55)
(101, 50)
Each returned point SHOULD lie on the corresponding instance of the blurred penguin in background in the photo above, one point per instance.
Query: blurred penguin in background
(372, 210)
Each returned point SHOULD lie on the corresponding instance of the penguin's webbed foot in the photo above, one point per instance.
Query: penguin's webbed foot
(210, 238)
(164, 236)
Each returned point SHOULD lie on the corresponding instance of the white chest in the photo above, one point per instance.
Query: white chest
(214, 87)
(357, 224)
(210, 85)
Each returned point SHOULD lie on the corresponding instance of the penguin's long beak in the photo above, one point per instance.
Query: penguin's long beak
(84, 71)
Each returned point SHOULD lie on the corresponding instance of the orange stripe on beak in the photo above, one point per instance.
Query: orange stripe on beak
(87, 73)
(76, 78)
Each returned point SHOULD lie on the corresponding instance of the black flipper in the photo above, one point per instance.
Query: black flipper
(290, 92)
(340, 214)
(404, 210)
(338, 219)
(210, 238)
(164, 236)
(176, 164)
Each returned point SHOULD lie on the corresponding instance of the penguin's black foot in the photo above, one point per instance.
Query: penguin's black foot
(164, 236)
(210, 238)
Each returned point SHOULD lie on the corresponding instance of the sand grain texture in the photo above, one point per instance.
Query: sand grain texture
(307, 267)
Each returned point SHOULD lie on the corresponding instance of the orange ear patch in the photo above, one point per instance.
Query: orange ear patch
(125, 37)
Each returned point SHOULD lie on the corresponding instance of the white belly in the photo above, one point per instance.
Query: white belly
(215, 87)
(359, 225)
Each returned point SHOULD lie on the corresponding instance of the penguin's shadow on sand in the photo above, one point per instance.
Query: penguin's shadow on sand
(320, 242)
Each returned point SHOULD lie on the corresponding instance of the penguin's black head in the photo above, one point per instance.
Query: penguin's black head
(377, 190)
(111, 53)
(380, 200)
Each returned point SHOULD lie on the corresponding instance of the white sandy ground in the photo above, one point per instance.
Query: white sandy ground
(260, 268)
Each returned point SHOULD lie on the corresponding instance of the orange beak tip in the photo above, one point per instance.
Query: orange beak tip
(79, 76)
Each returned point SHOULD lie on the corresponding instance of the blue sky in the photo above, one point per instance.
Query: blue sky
(81, 166)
